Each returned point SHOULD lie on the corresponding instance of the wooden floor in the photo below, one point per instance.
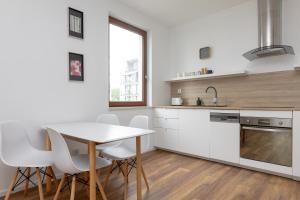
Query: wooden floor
(173, 177)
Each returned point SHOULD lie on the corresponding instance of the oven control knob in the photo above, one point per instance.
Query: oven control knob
(280, 123)
(248, 121)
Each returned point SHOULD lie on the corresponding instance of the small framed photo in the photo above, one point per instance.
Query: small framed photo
(204, 53)
(75, 23)
(76, 67)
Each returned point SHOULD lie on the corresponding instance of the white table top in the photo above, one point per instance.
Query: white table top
(97, 132)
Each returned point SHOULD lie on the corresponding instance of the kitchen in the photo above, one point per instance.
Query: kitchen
(217, 84)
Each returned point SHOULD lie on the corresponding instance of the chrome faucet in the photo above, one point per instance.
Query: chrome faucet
(215, 99)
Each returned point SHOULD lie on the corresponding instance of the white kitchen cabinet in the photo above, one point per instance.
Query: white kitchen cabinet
(171, 113)
(165, 122)
(171, 124)
(225, 136)
(296, 146)
(225, 141)
(159, 137)
(194, 132)
(171, 139)
(159, 112)
(159, 122)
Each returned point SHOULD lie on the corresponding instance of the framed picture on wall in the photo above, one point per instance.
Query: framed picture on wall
(76, 67)
(75, 23)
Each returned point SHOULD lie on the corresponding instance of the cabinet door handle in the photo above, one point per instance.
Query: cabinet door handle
(272, 130)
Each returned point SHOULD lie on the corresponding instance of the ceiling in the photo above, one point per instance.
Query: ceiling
(176, 12)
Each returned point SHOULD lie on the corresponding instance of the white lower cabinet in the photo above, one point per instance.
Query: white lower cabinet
(159, 137)
(165, 123)
(194, 132)
(296, 146)
(167, 138)
(171, 139)
(190, 131)
(225, 141)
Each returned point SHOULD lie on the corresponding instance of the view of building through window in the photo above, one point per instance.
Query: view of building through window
(126, 65)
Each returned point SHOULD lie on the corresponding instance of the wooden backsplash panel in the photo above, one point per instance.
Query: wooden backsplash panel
(276, 89)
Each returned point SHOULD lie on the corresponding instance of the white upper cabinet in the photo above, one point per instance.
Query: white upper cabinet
(194, 132)
(296, 144)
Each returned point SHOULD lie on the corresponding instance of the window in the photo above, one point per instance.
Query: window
(127, 64)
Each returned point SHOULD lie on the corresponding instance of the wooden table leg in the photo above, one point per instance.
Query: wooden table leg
(93, 174)
(138, 168)
(48, 171)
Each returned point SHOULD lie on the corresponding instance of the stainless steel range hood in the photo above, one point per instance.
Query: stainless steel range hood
(270, 31)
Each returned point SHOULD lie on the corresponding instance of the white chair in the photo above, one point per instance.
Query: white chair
(72, 165)
(108, 119)
(125, 155)
(17, 151)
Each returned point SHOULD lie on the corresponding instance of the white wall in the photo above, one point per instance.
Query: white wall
(34, 63)
(230, 33)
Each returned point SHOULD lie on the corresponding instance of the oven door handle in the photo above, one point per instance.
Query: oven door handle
(273, 130)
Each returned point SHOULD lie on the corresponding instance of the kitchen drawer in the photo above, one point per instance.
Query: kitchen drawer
(275, 114)
(171, 124)
(159, 113)
(159, 123)
(171, 113)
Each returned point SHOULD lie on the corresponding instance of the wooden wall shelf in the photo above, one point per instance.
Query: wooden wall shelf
(210, 76)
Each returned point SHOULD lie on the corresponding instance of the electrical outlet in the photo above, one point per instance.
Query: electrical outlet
(179, 91)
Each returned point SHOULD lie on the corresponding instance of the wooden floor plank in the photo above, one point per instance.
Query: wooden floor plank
(177, 177)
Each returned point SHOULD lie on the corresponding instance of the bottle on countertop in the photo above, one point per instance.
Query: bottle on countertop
(199, 102)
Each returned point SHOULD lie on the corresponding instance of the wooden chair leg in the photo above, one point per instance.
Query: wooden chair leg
(40, 186)
(125, 172)
(101, 188)
(145, 178)
(87, 178)
(54, 177)
(73, 189)
(109, 173)
(119, 164)
(27, 173)
(12, 183)
(61, 183)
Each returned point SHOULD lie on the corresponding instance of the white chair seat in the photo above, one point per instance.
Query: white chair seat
(82, 162)
(101, 147)
(31, 159)
(108, 119)
(119, 153)
(123, 154)
(72, 165)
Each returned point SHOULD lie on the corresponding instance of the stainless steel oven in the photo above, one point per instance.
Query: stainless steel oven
(267, 140)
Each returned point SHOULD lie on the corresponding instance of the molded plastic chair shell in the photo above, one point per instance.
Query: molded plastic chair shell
(67, 163)
(108, 119)
(128, 148)
(16, 149)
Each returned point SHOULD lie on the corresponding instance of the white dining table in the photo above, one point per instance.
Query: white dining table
(92, 133)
